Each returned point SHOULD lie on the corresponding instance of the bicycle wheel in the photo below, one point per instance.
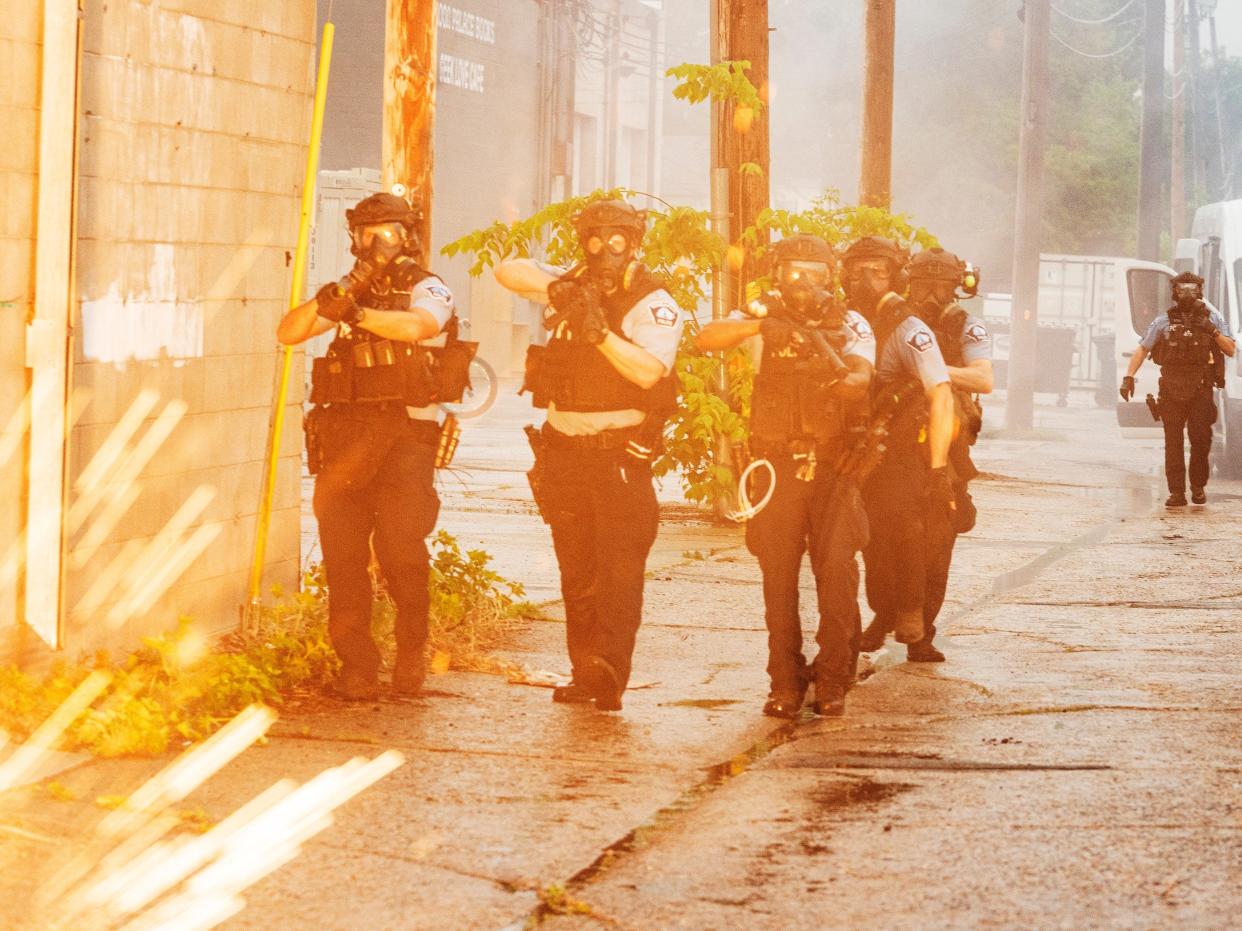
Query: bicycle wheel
(479, 396)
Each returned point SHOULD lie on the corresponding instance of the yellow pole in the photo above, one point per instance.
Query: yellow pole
(295, 298)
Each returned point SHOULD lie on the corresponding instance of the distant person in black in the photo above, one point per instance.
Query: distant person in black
(1189, 343)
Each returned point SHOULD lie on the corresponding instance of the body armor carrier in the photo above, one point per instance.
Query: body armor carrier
(363, 368)
(575, 376)
(793, 406)
(1187, 356)
(908, 422)
(966, 406)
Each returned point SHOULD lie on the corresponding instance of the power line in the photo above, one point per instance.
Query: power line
(1117, 51)
(1094, 22)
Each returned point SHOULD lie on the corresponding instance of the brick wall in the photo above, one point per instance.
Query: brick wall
(19, 115)
(195, 117)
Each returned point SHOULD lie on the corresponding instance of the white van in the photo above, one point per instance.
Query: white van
(1215, 253)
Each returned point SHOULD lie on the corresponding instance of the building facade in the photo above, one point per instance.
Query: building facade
(151, 196)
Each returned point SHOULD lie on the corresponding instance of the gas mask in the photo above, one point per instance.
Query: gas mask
(930, 297)
(804, 288)
(866, 282)
(378, 243)
(609, 255)
(1186, 292)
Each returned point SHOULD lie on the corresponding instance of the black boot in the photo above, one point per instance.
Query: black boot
(873, 637)
(1176, 500)
(408, 674)
(601, 680)
(829, 698)
(572, 694)
(923, 652)
(1198, 496)
(785, 703)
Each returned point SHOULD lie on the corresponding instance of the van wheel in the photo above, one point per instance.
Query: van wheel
(1229, 433)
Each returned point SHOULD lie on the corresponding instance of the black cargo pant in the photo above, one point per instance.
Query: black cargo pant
(377, 478)
(1195, 416)
(911, 544)
(823, 517)
(603, 514)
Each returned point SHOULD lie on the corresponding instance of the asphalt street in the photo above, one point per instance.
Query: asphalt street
(1076, 762)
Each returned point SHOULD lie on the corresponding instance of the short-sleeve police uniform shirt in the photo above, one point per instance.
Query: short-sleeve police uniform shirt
(976, 340)
(433, 296)
(912, 351)
(1161, 324)
(653, 323)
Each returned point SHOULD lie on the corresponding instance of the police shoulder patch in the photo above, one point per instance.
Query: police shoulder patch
(663, 314)
(977, 333)
(862, 329)
(921, 339)
(440, 292)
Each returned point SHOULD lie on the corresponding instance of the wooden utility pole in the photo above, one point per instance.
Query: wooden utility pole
(1194, 84)
(749, 141)
(718, 173)
(1024, 311)
(1220, 192)
(410, 103)
(875, 184)
(1177, 175)
(1151, 136)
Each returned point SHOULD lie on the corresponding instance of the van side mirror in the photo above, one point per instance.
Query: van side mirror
(1188, 256)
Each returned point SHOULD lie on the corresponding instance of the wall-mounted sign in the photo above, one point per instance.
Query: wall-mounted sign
(467, 24)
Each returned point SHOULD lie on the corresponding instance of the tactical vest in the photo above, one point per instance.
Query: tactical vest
(791, 405)
(361, 367)
(966, 406)
(1187, 358)
(907, 426)
(576, 376)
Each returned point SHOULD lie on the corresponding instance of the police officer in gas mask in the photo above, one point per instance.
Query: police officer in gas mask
(937, 279)
(813, 370)
(1189, 342)
(372, 435)
(606, 379)
(909, 496)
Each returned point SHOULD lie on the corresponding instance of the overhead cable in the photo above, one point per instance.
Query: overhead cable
(1116, 51)
(1094, 22)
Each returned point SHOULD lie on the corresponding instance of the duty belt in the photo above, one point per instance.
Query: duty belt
(591, 442)
(825, 450)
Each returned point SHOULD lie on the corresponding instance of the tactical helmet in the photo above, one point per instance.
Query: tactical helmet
(875, 247)
(1188, 278)
(802, 247)
(936, 264)
(382, 208)
(610, 213)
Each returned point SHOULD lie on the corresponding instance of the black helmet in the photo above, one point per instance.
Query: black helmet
(610, 213)
(875, 247)
(937, 264)
(802, 247)
(383, 208)
(1186, 287)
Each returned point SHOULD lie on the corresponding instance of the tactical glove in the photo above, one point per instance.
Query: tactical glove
(777, 334)
(1127, 388)
(338, 299)
(940, 488)
(592, 326)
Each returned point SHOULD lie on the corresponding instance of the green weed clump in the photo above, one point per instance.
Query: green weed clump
(179, 688)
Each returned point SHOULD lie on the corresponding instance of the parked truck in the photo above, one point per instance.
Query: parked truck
(1214, 252)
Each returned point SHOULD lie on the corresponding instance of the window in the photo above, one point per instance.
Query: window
(1150, 296)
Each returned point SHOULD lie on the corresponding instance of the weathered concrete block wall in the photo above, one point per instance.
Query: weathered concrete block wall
(19, 115)
(195, 118)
